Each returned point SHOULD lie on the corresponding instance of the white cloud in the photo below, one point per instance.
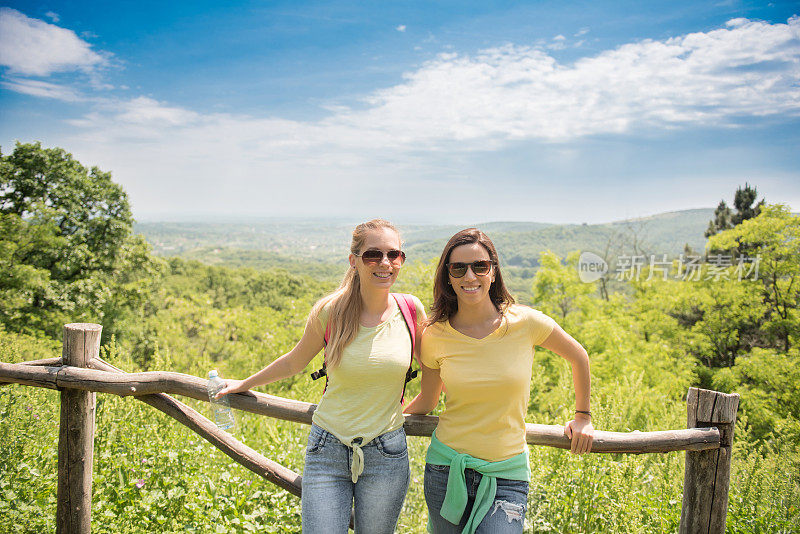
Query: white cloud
(453, 104)
(41, 89)
(514, 92)
(558, 43)
(582, 31)
(145, 110)
(401, 28)
(517, 93)
(735, 23)
(35, 48)
(53, 16)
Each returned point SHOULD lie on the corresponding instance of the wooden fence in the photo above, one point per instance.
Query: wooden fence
(80, 372)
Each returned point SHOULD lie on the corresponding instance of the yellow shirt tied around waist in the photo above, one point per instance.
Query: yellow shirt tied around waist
(362, 400)
(487, 382)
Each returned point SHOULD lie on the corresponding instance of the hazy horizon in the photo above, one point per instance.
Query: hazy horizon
(246, 218)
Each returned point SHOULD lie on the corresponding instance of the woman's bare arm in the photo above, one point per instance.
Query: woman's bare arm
(579, 429)
(287, 365)
(429, 393)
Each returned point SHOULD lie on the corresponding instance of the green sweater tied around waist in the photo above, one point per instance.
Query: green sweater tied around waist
(455, 498)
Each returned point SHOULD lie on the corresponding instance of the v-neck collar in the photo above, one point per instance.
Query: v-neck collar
(470, 338)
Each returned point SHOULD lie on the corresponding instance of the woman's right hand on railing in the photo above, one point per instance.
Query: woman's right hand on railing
(231, 386)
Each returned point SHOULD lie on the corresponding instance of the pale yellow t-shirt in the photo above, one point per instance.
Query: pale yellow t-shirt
(487, 382)
(364, 390)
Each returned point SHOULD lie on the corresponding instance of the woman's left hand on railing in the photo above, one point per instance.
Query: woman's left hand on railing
(581, 432)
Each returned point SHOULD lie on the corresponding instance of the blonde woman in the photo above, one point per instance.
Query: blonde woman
(356, 455)
(479, 345)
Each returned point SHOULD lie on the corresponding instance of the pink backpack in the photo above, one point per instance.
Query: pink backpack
(409, 311)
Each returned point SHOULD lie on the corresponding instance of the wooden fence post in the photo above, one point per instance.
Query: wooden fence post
(76, 434)
(707, 476)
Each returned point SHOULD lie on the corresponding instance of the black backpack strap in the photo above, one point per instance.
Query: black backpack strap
(319, 373)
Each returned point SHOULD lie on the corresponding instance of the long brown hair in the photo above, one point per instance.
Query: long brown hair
(445, 302)
(345, 303)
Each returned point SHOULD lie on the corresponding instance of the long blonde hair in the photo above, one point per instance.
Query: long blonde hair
(345, 303)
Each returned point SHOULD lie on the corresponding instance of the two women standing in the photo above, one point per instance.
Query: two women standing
(478, 346)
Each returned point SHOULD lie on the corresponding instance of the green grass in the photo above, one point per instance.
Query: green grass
(153, 474)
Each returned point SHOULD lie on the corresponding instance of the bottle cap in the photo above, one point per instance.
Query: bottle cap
(213, 373)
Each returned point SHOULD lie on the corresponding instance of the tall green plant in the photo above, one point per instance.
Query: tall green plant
(774, 241)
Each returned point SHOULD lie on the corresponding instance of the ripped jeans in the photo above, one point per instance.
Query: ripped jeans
(506, 516)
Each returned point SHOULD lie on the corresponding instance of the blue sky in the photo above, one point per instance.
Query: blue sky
(415, 111)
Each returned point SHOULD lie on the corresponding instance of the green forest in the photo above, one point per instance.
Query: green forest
(69, 253)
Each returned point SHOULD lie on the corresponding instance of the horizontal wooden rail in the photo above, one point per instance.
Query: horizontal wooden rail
(252, 460)
(238, 451)
(44, 361)
(154, 382)
(134, 384)
(37, 363)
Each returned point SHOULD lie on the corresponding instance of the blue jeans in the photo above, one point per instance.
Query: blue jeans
(506, 516)
(329, 492)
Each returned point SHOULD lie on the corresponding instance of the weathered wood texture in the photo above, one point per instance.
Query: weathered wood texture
(76, 435)
(51, 362)
(44, 361)
(39, 376)
(111, 380)
(707, 474)
(239, 452)
(692, 439)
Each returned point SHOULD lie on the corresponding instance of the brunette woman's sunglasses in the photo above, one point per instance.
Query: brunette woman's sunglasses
(374, 256)
(480, 268)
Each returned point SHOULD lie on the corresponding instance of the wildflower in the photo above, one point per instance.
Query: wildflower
(140, 483)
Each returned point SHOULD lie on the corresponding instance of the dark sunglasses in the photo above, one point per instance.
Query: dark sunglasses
(480, 268)
(374, 256)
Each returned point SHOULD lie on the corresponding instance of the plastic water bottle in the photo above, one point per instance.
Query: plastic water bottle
(223, 415)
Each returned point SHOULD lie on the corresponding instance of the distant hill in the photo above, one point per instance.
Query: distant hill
(520, 244)
(666, 233)
(264, 243)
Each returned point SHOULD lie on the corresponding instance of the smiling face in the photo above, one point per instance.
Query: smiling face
(382, 274)
(471, 289)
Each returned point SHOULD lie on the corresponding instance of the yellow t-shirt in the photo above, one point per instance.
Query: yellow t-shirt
(487, 382)
(364, 390)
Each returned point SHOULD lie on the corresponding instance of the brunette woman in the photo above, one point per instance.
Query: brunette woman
(479, 345)
(356, 454)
